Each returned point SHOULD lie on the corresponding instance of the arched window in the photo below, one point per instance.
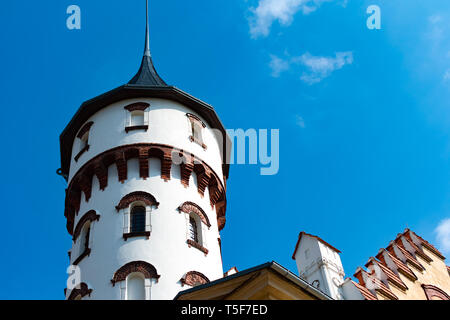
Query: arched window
(196, 127)
(82, 243)
(194, 278)
(193, 230)
(135, 280)
(136, 208)
(84, 237)
(137, 116)
(197, 225)
(83, 139)
(137, 219)
(136, 286)
(434, 293)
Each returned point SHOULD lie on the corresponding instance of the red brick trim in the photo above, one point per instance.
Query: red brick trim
(88, 216)
(148, 270)
(134, 128)
(98, 166)
(198, 246)
(86, 253)
(432, 291)
(82, 291)
(189, 207)
(79, 154)
(193, 117)
(194, 278)
(312, 236)
(84, 129)
(142, 196)
(138, 106)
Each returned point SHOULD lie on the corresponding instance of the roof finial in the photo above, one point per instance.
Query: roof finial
(147, 34)
(147, 75)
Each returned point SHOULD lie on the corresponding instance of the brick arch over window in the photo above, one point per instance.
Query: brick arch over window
(138, 106)
(142, 196)
(82, 291)
(84, 129)
(89, 216)
(189, 207)
(194, 278)
(148, 270)
(432, 291)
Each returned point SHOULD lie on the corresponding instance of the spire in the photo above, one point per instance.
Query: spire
(147, 34)
(147, 75)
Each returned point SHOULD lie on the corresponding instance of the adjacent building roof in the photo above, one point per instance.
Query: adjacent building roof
(313, 236)
(266, 281)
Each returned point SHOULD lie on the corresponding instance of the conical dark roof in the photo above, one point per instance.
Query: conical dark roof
(147, 75)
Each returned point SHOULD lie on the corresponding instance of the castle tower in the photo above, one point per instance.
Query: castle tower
(319, 264)
(146, 170)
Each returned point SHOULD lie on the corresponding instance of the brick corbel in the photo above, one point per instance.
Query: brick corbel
(143, 163)
(122, 168)
(166, 165)
(102, 174)
(186, 170)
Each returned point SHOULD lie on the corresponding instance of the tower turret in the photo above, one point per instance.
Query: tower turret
(146, 166)
(319, 264)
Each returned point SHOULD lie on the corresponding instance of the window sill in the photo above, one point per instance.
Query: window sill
(199, 142)
(198, 246)
(85, 149)
(133, 128)
(86, 253)
(136, 234)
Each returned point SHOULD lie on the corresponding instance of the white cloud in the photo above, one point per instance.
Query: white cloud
(315, 68)
(278, 65)
(447, 75)
(322, 67)
(282, 11)
(443, 236)
(300, 121)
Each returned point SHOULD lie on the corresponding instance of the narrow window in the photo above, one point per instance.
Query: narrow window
(84, 239)
(83, 139)
(135, 287)
(197, 131)
(196, 127)
(193, 232)
(137, 118)
(138, 219)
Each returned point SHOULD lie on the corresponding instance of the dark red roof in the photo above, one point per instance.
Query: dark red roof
(312, 236)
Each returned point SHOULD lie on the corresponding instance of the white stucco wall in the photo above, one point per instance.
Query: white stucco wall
(316, 261)
(168, 124)
(166, 249)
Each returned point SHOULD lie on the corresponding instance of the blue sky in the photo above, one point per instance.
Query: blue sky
(364, 119)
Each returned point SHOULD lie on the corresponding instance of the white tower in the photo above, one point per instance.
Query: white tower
(319, 264)
(146, 170)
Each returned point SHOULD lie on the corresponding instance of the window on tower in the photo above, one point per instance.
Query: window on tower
(196, 129)
(83, 139)
(136, 286)
(138, 219)
(82, 243)
(136, 208)
(197, 224)
(193, 231)
(137, 116)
